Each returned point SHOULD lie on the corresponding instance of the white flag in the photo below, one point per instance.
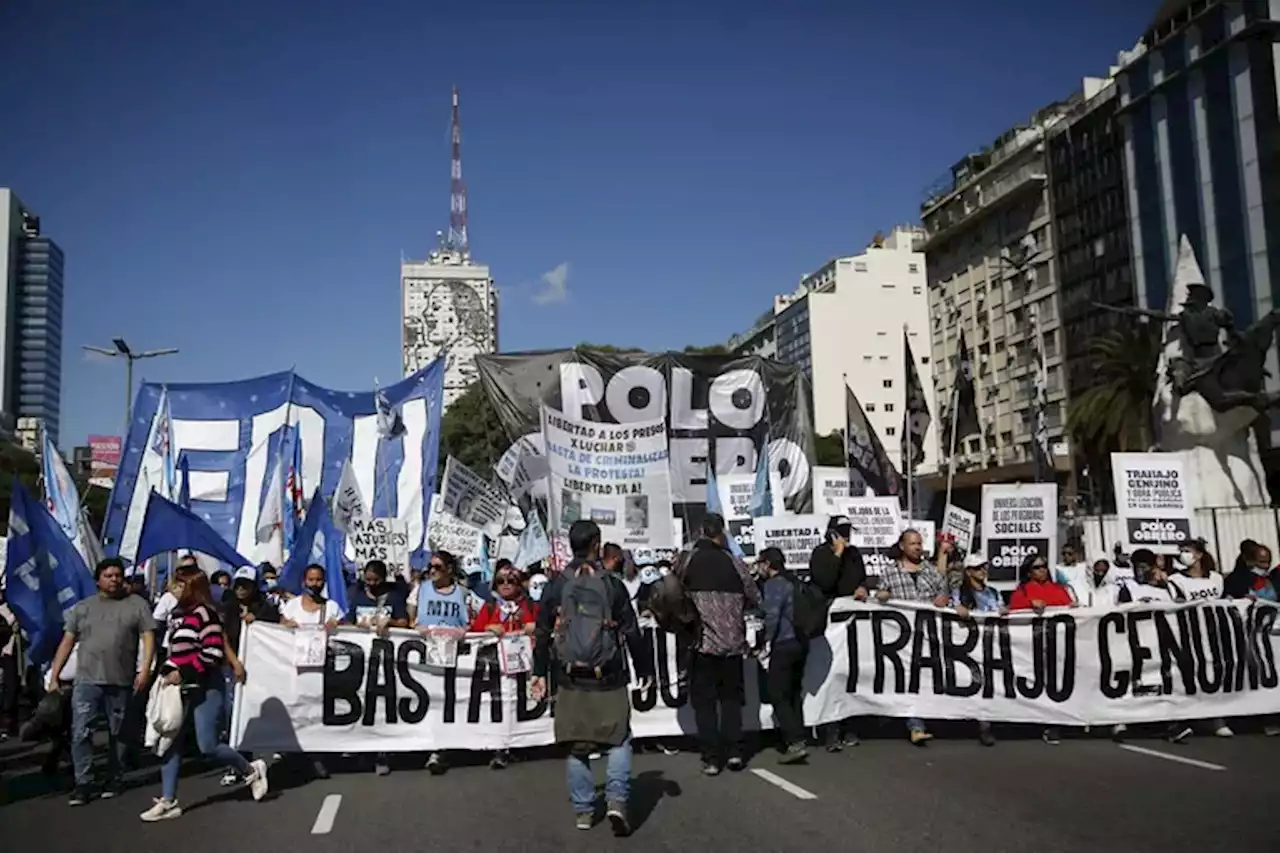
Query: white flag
(348, 502)
(271, 516)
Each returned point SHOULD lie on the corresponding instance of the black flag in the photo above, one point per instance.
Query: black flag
(865, 452)
(916, 418)
(964, 398)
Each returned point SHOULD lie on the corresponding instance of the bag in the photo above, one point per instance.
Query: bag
(808, 609)
(671, 606)
(165, 714)
(586, 637)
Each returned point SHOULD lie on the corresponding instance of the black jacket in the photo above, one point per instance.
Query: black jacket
(261, 608)
(837, 576)
(628, 628)
(1239, 584)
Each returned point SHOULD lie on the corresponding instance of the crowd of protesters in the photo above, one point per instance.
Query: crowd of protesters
(584, 621)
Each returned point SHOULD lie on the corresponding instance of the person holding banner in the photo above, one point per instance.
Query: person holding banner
(909, 578)
(593, 702)
(974, 595)
(1037, 591)
(836, 568)
(510, 614)
(309, 611)
(378, 605)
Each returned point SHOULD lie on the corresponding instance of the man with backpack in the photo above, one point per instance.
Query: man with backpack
(721, 591)
(794, 613)
(585, 615)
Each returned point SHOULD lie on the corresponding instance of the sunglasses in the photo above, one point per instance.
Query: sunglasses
(508, 579)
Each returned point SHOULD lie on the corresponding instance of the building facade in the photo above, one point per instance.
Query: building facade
(1090, 226)
(844, 323)
(990, 251)
(31, 296)
(449, 302)
(1201, 114)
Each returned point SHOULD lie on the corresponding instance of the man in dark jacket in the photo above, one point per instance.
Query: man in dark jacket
(593, 709)
(721, 590)
(788, 650)
(837, 570)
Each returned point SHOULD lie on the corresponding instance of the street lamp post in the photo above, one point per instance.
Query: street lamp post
(123, 350)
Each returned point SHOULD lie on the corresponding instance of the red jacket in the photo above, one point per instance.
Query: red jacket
(1052, 594)
(491, 614)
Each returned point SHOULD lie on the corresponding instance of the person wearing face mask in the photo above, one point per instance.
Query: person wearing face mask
(308, 609)
(510, 611)
(537, 585)
(1097, 586)
(1255, 578)
(1150, 583)
(442, 604)
(377, 605)
(1197, 577)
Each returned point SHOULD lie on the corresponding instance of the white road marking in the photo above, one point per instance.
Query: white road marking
(328, 811)
(1155, 753)
(790, 787)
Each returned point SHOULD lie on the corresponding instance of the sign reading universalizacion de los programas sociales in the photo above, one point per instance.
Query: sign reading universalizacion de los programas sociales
(617, 475)
(1153, 500)
(1018, 519)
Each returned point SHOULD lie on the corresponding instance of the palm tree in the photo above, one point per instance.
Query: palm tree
(1114, 413)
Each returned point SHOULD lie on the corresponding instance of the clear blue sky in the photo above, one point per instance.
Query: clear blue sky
(239, 179)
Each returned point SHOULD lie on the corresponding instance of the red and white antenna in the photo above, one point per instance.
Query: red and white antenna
(457, 189)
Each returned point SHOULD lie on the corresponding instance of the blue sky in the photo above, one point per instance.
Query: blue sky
(239, 179)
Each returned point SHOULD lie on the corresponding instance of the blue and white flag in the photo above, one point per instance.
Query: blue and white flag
(713, 505)
(45, 575)
(390, 424)
(761, 502)
(231, 433)
(162, 444)
(319, 542)
(534, 545)
(291, 456)
(63, 501)
(184, 483)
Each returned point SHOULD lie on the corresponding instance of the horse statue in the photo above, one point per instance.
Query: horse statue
(1210, 402)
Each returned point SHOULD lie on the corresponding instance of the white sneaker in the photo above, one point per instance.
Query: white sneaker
(258, 779)
(1272, 730)
(161, 809)
(229, 779)
(1223, 731)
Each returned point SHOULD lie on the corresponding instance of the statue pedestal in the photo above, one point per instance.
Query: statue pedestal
(1222, 454)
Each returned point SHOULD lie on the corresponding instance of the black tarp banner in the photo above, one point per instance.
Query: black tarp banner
(739, 402)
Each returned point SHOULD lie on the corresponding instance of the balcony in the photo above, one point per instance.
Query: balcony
(949, 216)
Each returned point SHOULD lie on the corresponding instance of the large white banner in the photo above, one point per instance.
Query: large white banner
(1153, 500)
(1133, 664)
(617, 475)
(1018, 519)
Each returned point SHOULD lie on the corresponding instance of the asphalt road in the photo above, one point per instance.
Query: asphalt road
(885, 795)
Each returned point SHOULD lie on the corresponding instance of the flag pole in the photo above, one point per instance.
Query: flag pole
(848, 471)
(951, 452)
(903, 441)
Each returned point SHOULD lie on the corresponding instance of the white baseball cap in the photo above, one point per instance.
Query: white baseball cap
(246, 573)
(977, 558)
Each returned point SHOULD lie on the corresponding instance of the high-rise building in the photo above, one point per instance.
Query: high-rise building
(31, 266)
(990, 251)
(844, 323)
(1090, 228)
(449, 302)
(1201, 112)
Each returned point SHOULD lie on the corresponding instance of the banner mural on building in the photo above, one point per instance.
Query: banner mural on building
(617, 475)
(230, 434)
(739, 402)
(1153, 500)
(1018, 519)
(1136, 664)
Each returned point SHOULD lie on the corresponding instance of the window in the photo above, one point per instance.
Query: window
(881, 334)
(888, 286)
(866, 358)
(924, 359)
(884, 358)
(888, 407)
(888, 383)
(870, 407)
(890, 431)
(917, 291)
(913, 268)
(859, 266)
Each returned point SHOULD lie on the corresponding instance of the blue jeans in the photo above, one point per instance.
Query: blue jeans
(582, 785)
(204, 715)
(87, 702)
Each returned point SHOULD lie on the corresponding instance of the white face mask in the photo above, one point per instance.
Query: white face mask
(1185, 559)
(1261, 571)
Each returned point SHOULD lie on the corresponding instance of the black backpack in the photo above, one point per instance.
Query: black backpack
(808, 609)
(586, 635)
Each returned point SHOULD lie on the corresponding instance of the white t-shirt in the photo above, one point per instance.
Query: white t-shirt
(294, 613)
(1196, 589)
(1141, 592)
(163, 610)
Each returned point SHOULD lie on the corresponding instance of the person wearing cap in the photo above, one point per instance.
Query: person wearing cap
(837, 570)
(245, 605)
(975, 595)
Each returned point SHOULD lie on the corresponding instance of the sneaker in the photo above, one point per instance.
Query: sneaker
(595, 756)
(833, 746)
(1223, 731)
(667, 749)
(793, 754)
(710, 768)
(500, 760)
(229, 779)
(257, 779)
(1051, 736)
(585, 821)
(110, 791)
(986, 738)
(1118, 730)
(1179, 734)
(850, 740)
(1272, 730)
(920, 737)
(319, 769)
(161, 809)
(381, 767)
(617, 815)
(436, 765)
(79, 797)
(735, 765)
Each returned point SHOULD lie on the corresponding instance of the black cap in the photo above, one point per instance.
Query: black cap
(840, 524)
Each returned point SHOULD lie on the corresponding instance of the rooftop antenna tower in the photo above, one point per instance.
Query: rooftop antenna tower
(457, 240)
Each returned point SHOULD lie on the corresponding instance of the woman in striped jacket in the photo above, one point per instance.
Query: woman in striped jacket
(197, 654)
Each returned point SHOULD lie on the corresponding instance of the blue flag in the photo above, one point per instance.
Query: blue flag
(319, 542)
(291, 459)
(713, 505)
(169, 527)
(534, 546)
(184, 483)
(46, 575)
(761, 502)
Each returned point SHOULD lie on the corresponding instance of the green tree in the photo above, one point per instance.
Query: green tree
(829, 449)
(471, 432)
(1115, 413)
(714, 349)
(608, 348)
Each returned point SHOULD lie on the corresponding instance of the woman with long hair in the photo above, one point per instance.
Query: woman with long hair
(197, 654)
(510, 611)
(1037, 590)
(975, 595)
